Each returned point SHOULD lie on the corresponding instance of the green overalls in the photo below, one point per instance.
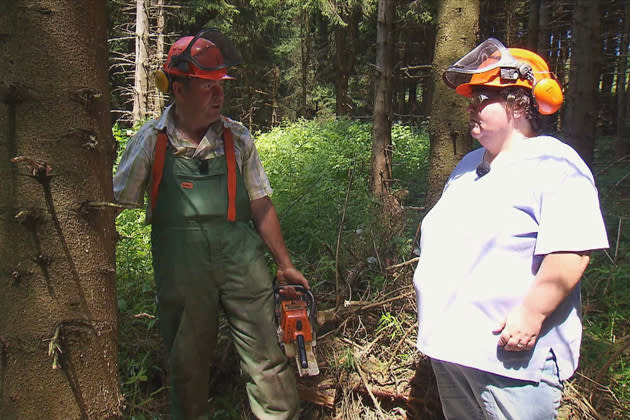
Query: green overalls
(203, 261)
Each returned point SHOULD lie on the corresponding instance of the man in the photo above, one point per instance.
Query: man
(209, 208)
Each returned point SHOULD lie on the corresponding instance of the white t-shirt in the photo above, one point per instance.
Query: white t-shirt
(482, 244)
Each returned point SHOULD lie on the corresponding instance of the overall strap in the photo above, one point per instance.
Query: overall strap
(231, 175)
(158, 165)
(158, 169)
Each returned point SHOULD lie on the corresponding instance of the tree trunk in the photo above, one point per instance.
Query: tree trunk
(532, 25)
(57, 265)
(345, 50)
(382, 133)
(275, 118)
(141, 86)
(157, 102)
(582, 94)
(622, 143)
(544, 30)
(458, 23)
(305, 60)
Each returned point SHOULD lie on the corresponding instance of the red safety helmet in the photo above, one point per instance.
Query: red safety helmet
(206, 55)
(492, 64)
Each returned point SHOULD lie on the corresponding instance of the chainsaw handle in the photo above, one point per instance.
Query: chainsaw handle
(310, 299)
(297, 287)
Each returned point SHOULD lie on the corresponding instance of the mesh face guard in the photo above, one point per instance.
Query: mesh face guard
(207, 55)
(490, 54)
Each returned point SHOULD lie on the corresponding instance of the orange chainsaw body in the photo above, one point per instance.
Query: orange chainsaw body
(294, 315)
(294, 321)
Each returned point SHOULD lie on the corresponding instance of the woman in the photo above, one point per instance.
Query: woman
(503, 250)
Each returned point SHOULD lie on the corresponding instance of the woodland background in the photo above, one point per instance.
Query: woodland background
(357, 133)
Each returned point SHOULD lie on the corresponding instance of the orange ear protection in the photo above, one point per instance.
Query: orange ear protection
(548, 96)
(546, 91)
(163, 81)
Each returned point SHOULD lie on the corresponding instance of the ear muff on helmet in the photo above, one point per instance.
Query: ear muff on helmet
(163, 81)
(547, 92)
(548, 96)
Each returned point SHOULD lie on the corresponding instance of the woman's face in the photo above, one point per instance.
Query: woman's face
(489, 118)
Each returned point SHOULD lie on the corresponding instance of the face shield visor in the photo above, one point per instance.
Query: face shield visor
(486, 57)
(493, 65)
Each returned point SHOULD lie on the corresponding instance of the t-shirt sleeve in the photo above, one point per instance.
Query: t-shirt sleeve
(254, 175)
(134, 170)
(570, 215)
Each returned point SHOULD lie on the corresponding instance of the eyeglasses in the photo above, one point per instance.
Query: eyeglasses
(480, 98)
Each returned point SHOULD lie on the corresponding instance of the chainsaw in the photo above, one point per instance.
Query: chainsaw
(295, 319)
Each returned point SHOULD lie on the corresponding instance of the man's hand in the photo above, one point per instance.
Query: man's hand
(291, 275)
(520, 329)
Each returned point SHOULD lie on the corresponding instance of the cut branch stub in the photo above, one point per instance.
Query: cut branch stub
(39, 170)
(86, 96)
(43, 260)
(29, 218)
(16, 275)
(88, 138)
(10, 94)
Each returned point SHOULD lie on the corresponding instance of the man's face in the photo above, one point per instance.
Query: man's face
(201, 97)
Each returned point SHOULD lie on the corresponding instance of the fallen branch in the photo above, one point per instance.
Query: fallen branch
(411, 261)
(367, 387)
(361, 306)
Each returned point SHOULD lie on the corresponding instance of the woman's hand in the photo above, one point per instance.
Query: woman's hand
(520, 329)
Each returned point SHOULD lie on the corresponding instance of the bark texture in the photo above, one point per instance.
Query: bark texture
(58, 326)
(458, 25)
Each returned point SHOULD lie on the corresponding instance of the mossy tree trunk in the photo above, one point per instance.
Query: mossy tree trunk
(57, 237)
(457, 27)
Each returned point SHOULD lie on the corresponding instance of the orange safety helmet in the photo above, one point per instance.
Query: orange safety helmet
(206, 55)
(491, 64)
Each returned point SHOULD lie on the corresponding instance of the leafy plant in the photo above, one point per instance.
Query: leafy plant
(389, 322)
(311, 164)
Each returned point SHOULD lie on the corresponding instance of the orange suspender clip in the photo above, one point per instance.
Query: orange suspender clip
(158, 169)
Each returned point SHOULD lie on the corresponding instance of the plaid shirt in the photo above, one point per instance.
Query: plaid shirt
(133, 177)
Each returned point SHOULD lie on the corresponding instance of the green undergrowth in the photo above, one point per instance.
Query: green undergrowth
(605, 356)
(312, 166)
